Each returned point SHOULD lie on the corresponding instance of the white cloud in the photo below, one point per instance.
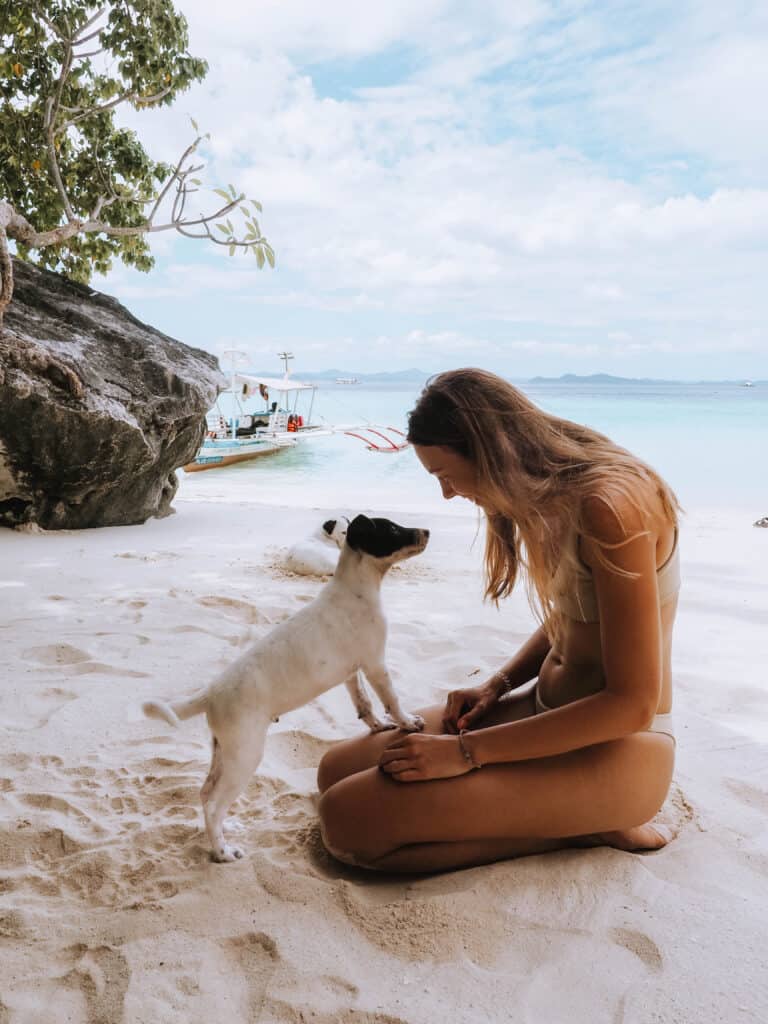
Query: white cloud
(494, 201)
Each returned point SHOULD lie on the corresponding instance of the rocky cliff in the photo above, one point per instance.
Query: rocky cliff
(97, 410)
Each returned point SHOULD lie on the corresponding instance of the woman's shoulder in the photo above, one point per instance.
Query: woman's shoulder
(609, 515)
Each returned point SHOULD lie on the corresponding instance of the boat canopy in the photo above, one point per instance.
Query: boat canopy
(248, 385)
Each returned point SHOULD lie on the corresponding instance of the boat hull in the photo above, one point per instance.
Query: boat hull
(217, 455)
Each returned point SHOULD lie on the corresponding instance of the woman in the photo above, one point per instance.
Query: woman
(585, 756)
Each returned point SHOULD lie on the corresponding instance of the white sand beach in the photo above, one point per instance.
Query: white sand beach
(112, 912)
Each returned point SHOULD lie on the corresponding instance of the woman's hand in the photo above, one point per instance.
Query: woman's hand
(463, 708)
(416, 757)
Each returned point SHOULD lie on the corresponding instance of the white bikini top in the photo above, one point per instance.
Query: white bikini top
(575, 588)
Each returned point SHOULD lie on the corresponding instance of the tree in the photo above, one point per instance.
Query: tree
(76, 191)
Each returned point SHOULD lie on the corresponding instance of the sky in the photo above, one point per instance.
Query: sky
(537, 187)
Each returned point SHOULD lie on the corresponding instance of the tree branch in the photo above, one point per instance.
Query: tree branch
(51, 109)
(91, 21)
(126, 97)
(166, 188)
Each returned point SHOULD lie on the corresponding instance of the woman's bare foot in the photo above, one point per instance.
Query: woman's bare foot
(642, 837)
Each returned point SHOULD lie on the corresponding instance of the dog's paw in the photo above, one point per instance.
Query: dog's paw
(378, 726)
(227, 854)
(412, 723)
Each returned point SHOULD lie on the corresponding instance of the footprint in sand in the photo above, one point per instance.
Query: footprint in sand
(50, 802)
(102, 974)
(78, 983)
(643, 947)
(281, 1009)
(140, 639)
(233, 608)
(46, 704)
(56, 654)
(76, 662)
(258, 957)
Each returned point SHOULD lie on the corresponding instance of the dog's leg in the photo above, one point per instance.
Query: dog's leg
(360, 699)
(236, 757)
(381, 681)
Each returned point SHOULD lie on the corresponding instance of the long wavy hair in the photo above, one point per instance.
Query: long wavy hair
(533, 473)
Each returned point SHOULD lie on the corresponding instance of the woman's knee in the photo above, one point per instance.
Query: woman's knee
(329, 770)
(340, 826)
(344, 758)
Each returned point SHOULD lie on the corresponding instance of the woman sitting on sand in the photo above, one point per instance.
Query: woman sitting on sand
(586, 755)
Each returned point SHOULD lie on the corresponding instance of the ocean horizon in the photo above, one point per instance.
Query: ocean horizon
(707, 439)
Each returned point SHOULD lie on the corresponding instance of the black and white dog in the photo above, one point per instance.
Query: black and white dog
(342, 632)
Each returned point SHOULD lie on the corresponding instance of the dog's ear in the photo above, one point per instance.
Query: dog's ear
(359, 529)
(329, 526)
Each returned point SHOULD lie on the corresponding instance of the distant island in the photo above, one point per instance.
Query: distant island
(599, 378)
(392, 378)
(607, 378)
(346, 377)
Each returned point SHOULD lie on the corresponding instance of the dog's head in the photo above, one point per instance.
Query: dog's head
(384, 540)
(335, 530)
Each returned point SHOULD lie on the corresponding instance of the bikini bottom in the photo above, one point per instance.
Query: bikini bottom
(661, 723)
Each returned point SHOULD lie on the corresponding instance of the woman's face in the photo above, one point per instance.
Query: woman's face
(455, 473)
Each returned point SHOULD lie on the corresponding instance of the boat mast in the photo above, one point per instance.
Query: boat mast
(235, 355)
(285, 356)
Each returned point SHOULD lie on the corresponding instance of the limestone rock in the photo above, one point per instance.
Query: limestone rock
(97, 410)
(762, 522)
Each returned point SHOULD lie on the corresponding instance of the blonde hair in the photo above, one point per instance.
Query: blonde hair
(533, 474)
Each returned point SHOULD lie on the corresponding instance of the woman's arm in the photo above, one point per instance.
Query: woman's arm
(468, 705)
(524, 665)
(630, 634)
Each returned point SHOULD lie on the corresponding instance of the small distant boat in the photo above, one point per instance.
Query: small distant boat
(747, 384)
(347, 380)
(242, 435)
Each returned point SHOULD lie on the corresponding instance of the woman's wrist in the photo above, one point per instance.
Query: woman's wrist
(500, 683)
(467, 751)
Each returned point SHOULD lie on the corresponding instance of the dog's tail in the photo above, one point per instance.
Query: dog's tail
(174, 714)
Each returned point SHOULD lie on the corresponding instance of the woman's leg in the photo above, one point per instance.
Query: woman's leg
(500, 811)
(356, 755)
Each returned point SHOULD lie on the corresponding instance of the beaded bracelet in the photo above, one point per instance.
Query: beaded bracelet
(466, 752)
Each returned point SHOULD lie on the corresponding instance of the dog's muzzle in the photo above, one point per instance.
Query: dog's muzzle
(421, 538)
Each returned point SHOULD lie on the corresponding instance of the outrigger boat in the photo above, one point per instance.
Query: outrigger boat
(239, 435)
(380, 439)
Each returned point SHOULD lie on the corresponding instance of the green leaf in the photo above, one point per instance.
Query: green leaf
(146, 49)
(232, 250)
(260, 258)
(270, 257)
(257, 205)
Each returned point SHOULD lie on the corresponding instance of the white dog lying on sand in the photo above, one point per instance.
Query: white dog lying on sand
(328, 642)
(318, 554)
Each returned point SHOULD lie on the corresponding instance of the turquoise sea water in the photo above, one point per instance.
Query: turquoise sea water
(710, 441)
